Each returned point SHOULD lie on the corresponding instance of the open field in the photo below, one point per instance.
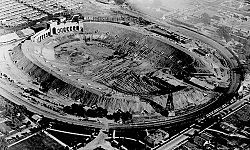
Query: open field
(39, 141)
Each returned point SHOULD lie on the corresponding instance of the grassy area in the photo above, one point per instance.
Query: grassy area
(68, 139)
(37, 142)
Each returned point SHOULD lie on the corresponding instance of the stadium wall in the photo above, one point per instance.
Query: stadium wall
(56, 28)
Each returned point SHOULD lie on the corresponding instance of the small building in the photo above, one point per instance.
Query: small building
(37, 118)
(156, 138)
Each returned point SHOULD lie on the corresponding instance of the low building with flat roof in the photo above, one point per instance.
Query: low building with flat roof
(155, 138)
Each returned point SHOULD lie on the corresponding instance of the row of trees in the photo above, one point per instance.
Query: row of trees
(79, 110)
(119, 2)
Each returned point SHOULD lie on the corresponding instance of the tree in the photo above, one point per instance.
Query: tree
(117, 116)
(90, 113)
(119, 2)
(67, 109)
(28, 123)
(101, 112)
(3, 143)
(81, 112)
(126, 116)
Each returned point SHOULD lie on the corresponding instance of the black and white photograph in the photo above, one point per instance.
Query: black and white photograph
(124, 74)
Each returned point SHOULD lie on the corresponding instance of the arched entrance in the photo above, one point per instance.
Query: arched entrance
(54, 30)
